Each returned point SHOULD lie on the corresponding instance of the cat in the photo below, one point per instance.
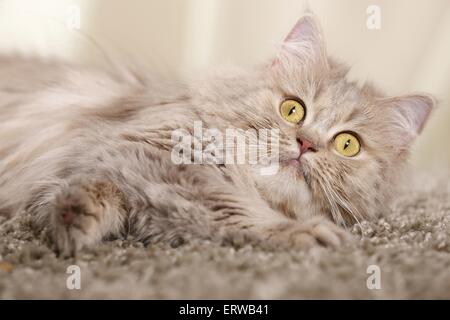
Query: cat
(88, 152)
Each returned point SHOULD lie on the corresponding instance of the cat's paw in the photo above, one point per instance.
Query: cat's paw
(75, 220)
(313, 233)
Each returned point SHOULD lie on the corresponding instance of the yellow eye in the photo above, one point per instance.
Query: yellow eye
(347, 144)
(292, 111)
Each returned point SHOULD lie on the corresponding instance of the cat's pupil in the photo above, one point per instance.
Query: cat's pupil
(291, 111)
(347, 144)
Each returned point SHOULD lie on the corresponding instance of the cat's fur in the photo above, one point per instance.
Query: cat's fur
(88, 152)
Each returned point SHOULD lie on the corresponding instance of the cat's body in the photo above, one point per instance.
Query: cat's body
(88, 153)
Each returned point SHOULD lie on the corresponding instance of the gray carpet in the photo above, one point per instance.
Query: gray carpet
(411, 246)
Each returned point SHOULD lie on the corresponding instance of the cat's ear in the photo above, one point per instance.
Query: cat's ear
(408, 115)
(305, 41)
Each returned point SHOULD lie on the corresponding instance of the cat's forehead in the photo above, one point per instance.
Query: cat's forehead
(336, 100)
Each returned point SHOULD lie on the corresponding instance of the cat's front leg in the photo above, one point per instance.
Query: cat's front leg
(269, 225)
(317, 231)
(84, 211)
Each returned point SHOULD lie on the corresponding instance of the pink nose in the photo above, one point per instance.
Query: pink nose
(67, 217)
(305, 146)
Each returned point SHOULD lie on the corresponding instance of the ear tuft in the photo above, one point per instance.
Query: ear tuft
(416, 109)
(305, 41)
(409, 114)
(307, 29)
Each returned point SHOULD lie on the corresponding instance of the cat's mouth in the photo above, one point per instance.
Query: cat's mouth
(294, 163)
(297, 164)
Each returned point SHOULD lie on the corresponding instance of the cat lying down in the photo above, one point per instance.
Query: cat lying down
(94, 154)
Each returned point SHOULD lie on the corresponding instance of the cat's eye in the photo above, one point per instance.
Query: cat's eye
(292, 111)
(347, 144)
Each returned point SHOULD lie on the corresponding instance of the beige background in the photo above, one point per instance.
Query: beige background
(411, 51)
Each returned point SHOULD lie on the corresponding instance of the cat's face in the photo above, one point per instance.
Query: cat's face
(341, 146)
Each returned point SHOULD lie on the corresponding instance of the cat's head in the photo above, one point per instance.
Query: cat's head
(341, 145)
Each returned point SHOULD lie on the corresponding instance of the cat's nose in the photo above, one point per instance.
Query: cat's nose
(305, 146)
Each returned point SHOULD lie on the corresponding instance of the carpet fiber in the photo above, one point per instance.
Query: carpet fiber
(411, 246)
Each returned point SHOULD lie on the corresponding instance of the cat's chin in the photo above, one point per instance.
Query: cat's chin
(287, 189)
(294, 168)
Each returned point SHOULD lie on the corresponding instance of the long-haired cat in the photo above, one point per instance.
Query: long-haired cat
(90, 153)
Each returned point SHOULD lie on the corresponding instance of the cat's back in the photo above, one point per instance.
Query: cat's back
(39, 102)
(39, 98)
(26, 75)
